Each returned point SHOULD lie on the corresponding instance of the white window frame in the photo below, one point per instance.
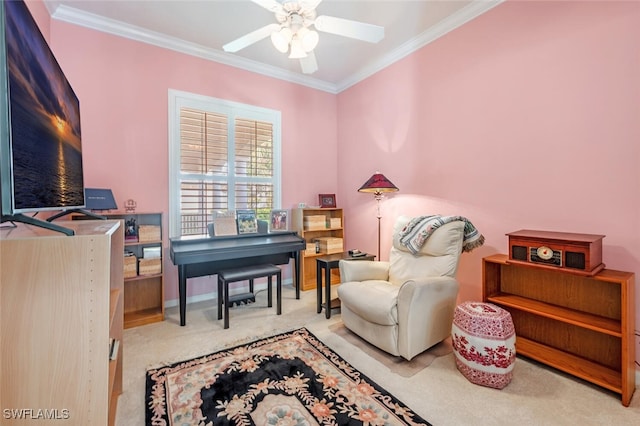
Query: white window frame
(179, 99)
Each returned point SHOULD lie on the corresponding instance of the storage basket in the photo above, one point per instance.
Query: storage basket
(330, 245)
(130, 266)
(334, 223)
(311, 249)
(315, 222)
(148, 233)
(149, 266)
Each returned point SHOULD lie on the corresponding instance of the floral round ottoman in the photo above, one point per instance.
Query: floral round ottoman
(484, 343)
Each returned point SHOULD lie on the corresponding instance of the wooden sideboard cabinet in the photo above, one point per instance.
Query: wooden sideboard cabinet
(61, 303)
(333, 228)
(582, 325)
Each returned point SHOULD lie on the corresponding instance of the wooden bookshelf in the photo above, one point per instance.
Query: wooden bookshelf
(143, 293)
(333, 228)
(582, 325)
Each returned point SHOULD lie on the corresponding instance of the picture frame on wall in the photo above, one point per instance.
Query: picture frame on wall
(327, 200)
(279, 221)
(247, 221)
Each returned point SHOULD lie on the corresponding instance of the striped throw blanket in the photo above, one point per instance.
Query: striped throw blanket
(415, 233)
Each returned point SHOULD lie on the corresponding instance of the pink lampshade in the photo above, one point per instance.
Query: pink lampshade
(378, 184)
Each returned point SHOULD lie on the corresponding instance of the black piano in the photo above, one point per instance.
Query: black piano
(203, 255)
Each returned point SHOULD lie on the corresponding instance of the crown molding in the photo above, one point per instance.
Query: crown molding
(99, 23)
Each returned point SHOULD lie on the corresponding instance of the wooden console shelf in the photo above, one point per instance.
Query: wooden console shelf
(582, 325)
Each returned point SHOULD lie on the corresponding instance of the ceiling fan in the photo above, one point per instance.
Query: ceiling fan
(293, 32)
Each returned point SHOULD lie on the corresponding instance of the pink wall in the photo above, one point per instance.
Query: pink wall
(123, 89)
(527, 117)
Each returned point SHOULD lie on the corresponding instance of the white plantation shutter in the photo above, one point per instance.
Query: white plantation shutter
(223, 156)
(203, 142)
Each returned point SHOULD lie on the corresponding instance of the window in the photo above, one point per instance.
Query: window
(222, 156)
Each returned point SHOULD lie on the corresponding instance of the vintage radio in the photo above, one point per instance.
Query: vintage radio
(579, 253)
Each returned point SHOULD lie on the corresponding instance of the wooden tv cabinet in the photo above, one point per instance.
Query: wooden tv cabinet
(582, 325)
(61, 304)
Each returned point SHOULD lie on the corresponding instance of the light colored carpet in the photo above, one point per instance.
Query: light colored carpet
(395, 364)
(537, 395)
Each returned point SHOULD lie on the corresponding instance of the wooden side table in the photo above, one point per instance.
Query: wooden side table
(329, 262)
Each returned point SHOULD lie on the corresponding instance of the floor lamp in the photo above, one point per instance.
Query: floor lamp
(378, 184)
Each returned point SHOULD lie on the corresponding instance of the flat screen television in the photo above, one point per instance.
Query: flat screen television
(40, 139)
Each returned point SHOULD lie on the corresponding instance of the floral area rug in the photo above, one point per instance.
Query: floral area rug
(289, 379)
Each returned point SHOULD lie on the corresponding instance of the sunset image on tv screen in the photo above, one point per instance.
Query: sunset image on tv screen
(45, 120)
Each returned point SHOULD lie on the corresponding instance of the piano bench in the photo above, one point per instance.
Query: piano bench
(243, 274)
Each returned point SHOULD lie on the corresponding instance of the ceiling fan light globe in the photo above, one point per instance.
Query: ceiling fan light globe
(297, 51)
(287, 34)
(309, 40)
(302, 31)
(281, 39)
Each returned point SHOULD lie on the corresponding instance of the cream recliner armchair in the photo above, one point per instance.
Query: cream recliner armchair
(404, 306)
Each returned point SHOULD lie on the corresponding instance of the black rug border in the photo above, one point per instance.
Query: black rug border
(417, 419)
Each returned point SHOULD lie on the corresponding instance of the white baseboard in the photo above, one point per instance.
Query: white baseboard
(213, 295)
(192, 299)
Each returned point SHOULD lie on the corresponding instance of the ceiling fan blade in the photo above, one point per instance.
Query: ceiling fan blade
(309, 64)
(347, 28)
(270, 5)
(249, 39)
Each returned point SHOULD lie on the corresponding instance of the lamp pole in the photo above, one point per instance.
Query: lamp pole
(378, 196)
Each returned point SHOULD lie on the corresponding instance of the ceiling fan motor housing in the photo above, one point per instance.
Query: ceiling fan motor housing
(292, 13)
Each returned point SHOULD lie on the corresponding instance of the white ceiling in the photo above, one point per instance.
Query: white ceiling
(201, 28)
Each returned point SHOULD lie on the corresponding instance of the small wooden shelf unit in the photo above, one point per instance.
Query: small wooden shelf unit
(143, 293)
(582, 325)
(308, 258)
